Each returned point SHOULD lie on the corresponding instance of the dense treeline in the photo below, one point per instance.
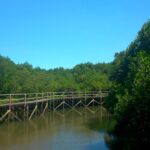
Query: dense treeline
(130, 95)
(20, 78)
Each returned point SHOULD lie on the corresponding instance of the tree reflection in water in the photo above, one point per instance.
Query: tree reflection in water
(123, 138)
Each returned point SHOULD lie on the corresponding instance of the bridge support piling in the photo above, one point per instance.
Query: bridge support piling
(25, 106)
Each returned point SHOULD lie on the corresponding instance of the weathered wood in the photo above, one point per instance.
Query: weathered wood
(46, 107)
(15, 116)
(34, 110)
(80, 102)
(59, 105)
(33, 104)
(5, 114)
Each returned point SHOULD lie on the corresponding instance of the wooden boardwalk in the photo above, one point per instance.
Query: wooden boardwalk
(25, 106)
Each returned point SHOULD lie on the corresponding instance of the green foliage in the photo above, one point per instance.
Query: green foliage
(23, 78)
(125, 65)
(137, 87)
(130, 95)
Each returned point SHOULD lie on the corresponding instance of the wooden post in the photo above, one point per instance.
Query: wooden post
(46, 106)
(53, 101)
(10, 102)
(50, 98)
(93, 103)
(63, 101)
(100, 94)
(85, 98)
(27, 113)
(72, 100)
(42, 103)
(34, 111)
(25, 101)
(36, 107)
(42, 95)
(36, 98)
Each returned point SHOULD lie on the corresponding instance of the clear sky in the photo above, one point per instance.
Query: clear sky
(54, 33)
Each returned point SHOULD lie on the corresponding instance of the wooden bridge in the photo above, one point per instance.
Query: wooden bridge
(25, 106)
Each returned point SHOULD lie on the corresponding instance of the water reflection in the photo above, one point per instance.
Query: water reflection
(132, 139)
(80, 129)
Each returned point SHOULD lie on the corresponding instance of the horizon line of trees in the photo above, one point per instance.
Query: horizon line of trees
(18, 78)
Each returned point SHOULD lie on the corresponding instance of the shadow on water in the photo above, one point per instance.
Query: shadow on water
(120, 136)
(78, 129)
(104, 125)
(128, 137)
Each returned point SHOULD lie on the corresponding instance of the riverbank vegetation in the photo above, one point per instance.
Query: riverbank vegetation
(21, 78)
(130, 95)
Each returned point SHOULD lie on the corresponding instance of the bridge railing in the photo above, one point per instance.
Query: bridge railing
(23, 98)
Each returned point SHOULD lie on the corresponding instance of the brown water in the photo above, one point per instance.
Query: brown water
(80, 129)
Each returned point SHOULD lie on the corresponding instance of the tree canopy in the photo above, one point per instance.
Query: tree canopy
(130, 95)
(15, 78)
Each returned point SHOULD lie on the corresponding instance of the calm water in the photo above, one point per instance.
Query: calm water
(80, 129)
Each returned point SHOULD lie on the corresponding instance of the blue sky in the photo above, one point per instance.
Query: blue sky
(54, 33)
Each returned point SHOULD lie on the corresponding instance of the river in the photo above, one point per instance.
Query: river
(80, 129)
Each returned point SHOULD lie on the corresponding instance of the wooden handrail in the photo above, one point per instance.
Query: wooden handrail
(9, 99)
